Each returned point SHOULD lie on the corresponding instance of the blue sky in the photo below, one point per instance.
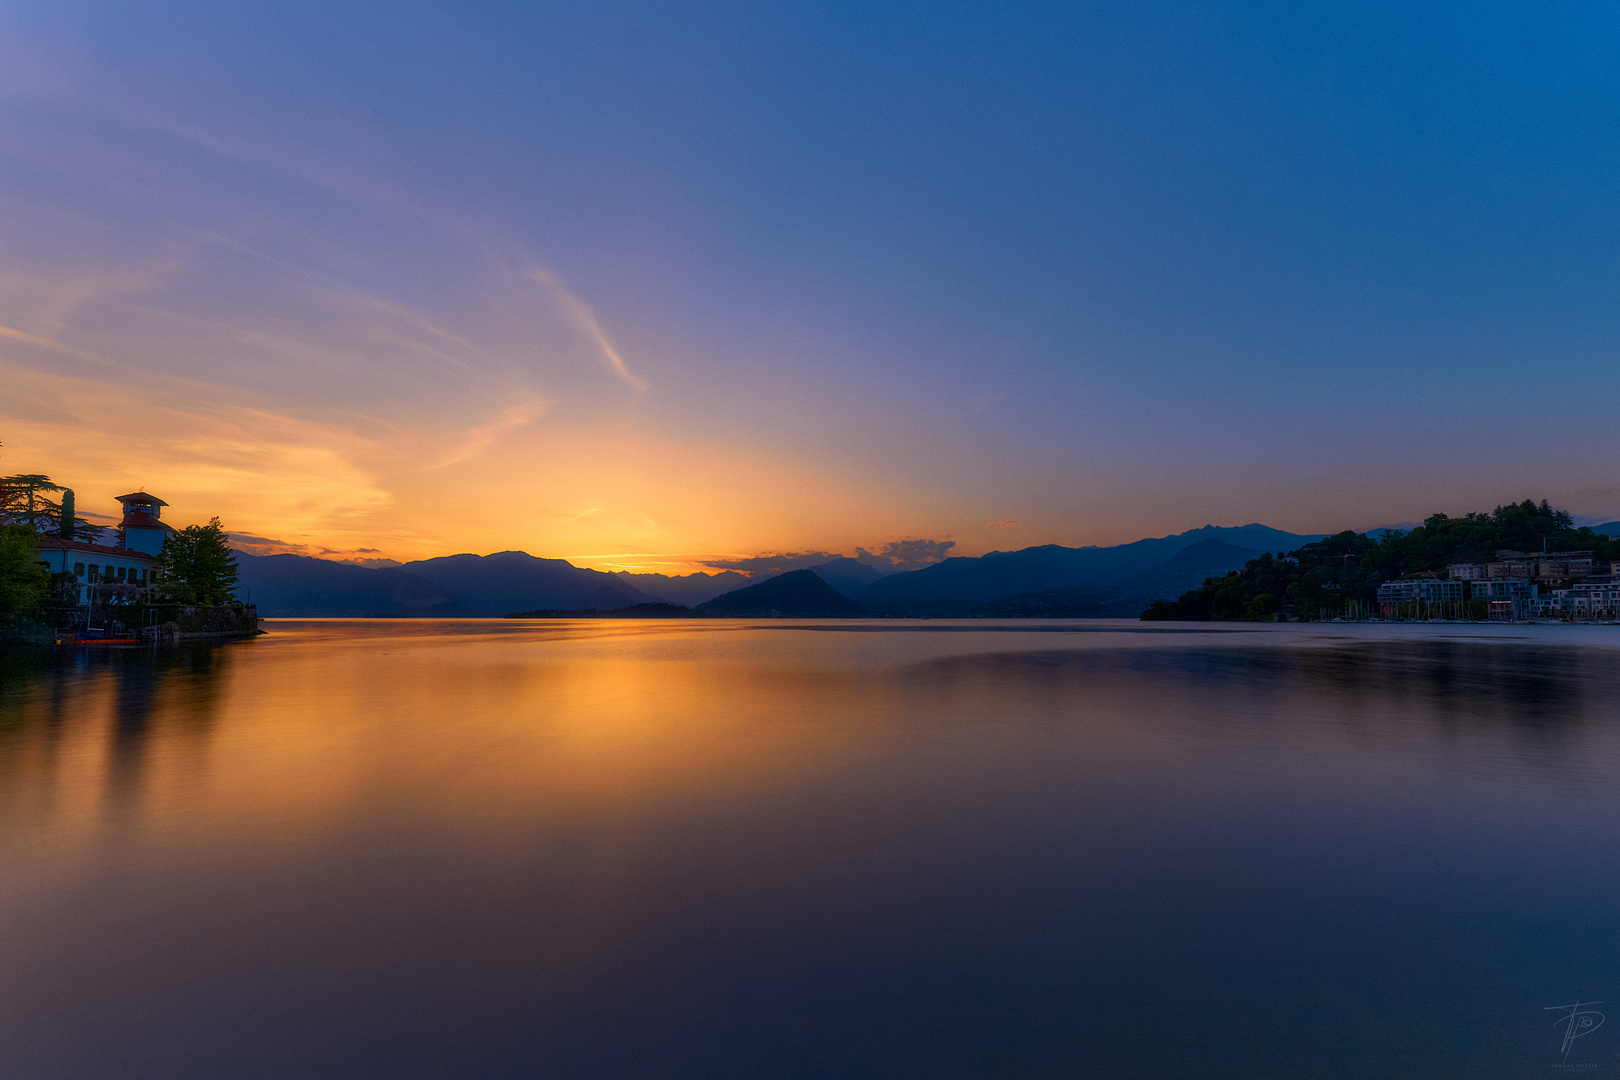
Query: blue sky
(662, 283)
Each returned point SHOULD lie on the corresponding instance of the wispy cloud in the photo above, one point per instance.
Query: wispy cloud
(266, 269)
(326, 356)
(585, 319)
(245, 462)
(476, 440)
(295, 344)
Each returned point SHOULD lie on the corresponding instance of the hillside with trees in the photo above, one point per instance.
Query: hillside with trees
(1342, 573)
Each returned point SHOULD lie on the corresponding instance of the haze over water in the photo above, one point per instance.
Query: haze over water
(712, 849)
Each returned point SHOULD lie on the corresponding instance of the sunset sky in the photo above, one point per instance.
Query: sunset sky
(644, 285)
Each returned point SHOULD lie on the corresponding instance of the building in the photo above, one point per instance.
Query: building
(141, 530)
(1512, 564)
(1464, 571)
(1565, 566)
(1507, 598)
(1393, 594)
(1596, 598)
(127, 562)
(1555, 604)
(95, 564)
(1561, 567)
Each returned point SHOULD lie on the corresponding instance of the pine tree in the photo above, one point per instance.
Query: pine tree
(24, 501)
(197, 565)
(70, 527)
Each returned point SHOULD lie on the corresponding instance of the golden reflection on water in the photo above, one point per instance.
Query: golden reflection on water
(322, 731)
(508, 843)
(325, 724)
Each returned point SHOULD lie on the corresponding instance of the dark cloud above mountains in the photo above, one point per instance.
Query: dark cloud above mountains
(901, 555)
(261, 545)
(249, 544)
(893, 558)
(772, 563)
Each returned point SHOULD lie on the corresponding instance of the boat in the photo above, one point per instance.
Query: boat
(98, 637)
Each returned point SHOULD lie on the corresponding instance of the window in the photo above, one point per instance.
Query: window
(95, 572)
(120, 573)
(78, 569)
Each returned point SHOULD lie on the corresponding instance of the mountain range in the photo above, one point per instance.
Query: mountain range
(800, 594)
(1048, 579)
(1184, 570)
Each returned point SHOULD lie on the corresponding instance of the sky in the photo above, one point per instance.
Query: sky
(651, 286)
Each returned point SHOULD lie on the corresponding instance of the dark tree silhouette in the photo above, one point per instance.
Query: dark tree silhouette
(24, 579)
(23, 499)
(196, 565)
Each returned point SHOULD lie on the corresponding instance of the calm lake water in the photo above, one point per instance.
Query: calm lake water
(755, 850)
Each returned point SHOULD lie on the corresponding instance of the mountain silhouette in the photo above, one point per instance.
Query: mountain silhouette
(516, 581)
(965, 584)
(1188, 568)
(686, 589)
(848, 576)
(1185, 570)
(460, 585)
(292, 585)
(796, 594)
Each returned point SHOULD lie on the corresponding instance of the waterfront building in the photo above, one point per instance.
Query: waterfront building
(95, 564)
(141, 530)
(1463, 571)
(1507, 598)
(1393, 594)
(127, 562)
(1556, 603)
(1597, 598)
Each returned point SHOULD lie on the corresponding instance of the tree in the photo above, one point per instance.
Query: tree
(64, 523)
(23, 499)
(69, 527)
(24, 579)
(197, 565)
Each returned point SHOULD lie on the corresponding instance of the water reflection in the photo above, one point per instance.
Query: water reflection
(85, 724)
(716, 850)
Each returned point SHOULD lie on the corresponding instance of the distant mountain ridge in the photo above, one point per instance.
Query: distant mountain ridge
(964, 584)
(517, 581)
(1185, 570)
(687, 589)
(508, 581)
(297, 585)
(452, 586)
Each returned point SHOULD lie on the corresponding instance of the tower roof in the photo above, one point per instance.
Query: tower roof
(134, 519)
(142, 497)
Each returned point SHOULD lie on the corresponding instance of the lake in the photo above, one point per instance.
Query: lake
(664, 849)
